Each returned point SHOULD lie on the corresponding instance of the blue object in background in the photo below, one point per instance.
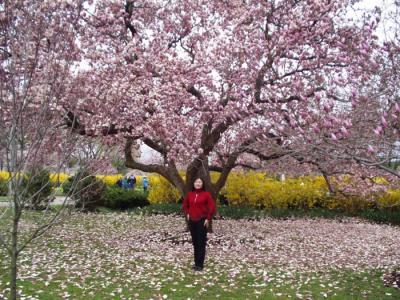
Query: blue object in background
(145, 183)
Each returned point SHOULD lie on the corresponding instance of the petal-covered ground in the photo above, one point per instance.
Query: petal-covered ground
(121, 256)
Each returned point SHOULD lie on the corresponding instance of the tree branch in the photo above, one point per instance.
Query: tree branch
(72, 121)
(266, 157)
(195, 92)
(129, 10)
(131, 163)
(230, 164)
(155, 146)
(376, 164)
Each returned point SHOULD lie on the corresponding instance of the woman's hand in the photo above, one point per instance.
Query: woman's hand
(206, 223)
(187, 217)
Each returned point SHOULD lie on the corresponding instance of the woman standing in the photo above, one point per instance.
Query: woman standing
(199, 208)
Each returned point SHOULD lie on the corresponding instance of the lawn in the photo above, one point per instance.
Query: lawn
(128, 256)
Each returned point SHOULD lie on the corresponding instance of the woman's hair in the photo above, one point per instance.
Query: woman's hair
(202, 180)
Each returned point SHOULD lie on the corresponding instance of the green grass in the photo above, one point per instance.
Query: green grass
(179, 281)
(213, 285)
(3, 198)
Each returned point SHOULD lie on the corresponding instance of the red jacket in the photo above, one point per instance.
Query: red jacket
(199, 204)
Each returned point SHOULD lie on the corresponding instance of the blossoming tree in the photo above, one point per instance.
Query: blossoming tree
(201, 82)
(38, 51)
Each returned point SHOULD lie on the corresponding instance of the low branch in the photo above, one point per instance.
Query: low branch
(265, 157)
(155, 146)
(131, 163)
(230, 164)
(378, 165)
(325, 174)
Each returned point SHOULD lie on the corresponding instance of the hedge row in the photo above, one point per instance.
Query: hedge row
(252, 189)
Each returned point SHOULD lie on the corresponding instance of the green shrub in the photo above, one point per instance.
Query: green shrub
(390, 216)
(119, 198)
(38, 188)
(3, 187)
(86, 190)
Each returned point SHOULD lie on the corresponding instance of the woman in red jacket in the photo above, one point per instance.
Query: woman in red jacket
(199, 208)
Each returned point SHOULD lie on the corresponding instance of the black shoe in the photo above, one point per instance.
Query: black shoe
(198, 268)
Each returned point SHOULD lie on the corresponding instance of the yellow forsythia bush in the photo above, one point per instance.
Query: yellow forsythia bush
(110, 179)
(245, 188)
(4, 175)
(302, 192)
(60, 178)
(380, 180)
(255, 189)
(54, 177)
(390, 199)
(258, 190)
(161, 191)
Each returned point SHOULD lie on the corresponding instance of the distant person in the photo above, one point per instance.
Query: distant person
(119, 182)
(145, 183)
(125, 183)
(131, 182)
(199, 208)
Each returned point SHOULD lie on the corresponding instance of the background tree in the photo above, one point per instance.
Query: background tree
(38, 53)
(383, 92)
(371, 138)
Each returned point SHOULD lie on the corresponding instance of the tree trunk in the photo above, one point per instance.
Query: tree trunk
(14, 192)
(14, 256)
(197, 168)
(200, 168)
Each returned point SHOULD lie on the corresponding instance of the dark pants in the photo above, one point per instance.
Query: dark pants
(199, 240)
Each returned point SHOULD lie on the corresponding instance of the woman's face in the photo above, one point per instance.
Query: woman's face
(198, 184)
